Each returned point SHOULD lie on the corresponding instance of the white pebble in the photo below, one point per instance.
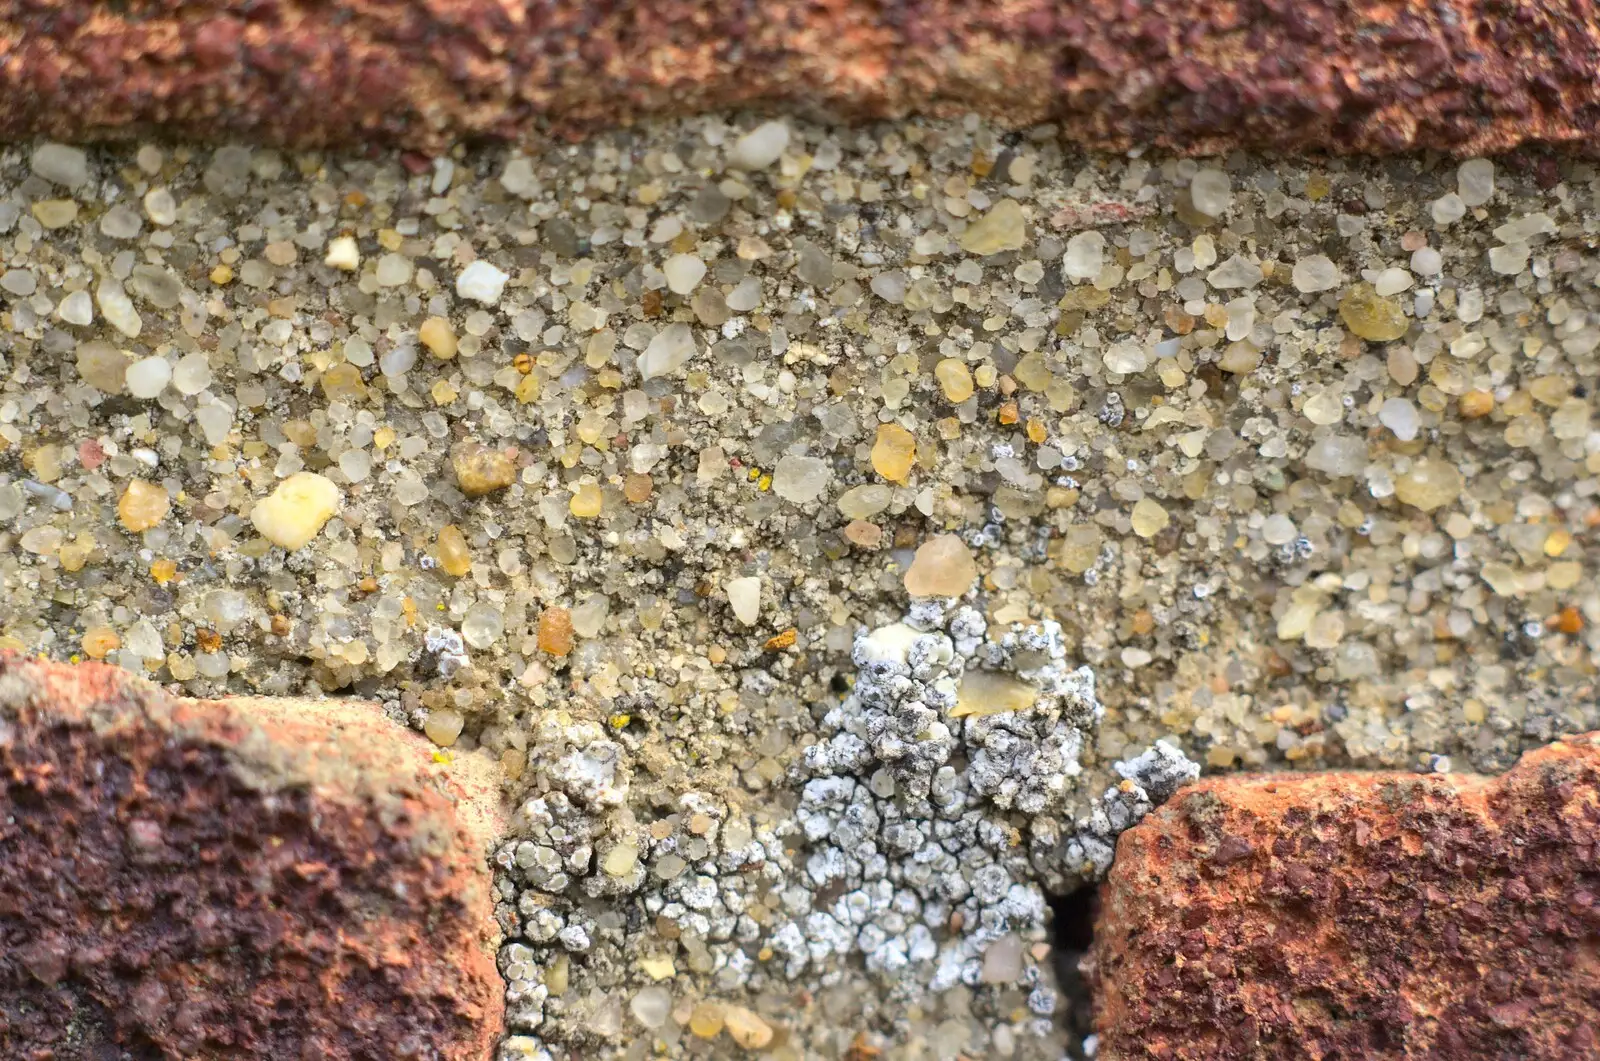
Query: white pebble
(1237, 271)
(1399, 416)
(1211, 192)
(1426, 261)
(1475, 181)
(117, 307)
(148, 377)
(1392, 281)
(296, 510)
(77, 308)
(1085, 256)
(160, 207)
(394, 270)
(760, 147)
(1315, 272)
(669, 351)
(60, 164)
(343, 254)
(800, 479)
(1279, 529)
(744, 594)
(1510, 259)
(481, 282)
(192, 374)
(683, 272)
(1447, 209)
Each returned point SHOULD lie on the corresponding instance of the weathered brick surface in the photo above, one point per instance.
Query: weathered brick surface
(1352, 75)
(1360, 916)
(243, 879)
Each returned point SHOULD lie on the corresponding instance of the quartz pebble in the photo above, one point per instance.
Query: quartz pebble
(481, 282)
(117, 308)
(1372, 316)
(343, 254)
(60, 164)
(800, 479)
(942, 567)
(1001, 229)
(760, 147)
(894, 452)
(1085, 256)
(1149, 518)
(142, 506)
(1475, 181)
(744, 596)
(296, 510)
(482, 469)
(955, 379)
(148, 377)
(747, 1029)
(1314, 272)
(669, 351)
(556, 631)
(1400, 417)
(1429, 484)
(1211, 191)
(683, 272)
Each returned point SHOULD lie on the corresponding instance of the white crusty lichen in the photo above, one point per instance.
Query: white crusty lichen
(940, 807)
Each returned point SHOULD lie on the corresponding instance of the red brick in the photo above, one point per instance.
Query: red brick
(1360, 916)
(238, 878)
(1464, 76)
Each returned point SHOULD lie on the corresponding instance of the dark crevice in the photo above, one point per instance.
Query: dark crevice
(1071, 933)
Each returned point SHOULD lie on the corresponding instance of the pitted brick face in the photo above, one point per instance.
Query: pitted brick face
(1350, 915)
(1466, 76)
(184, 879)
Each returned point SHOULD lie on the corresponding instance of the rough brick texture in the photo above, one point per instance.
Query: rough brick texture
(245, 879)
(1360, 916)
(1353, 75)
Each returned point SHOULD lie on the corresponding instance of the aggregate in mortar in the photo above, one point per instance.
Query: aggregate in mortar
(1298, 453)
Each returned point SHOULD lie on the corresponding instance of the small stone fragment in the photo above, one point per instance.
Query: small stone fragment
(744, 595)
(100, 641)
(668, 351)
(481, 469)
(587, 501)
(148, 377)
(1001, 229)
(800, 479)
(707, 1019)
(556, 633)
(481, 282)
(443, 726)
(60, 164)
(747, 1029)
(77, 308)
(55, 213)
(942, 567)
(865, 501)
(437, 335)
(683, 272)
(117, 307)
(296, 510)
(1085, 256)
(104, 367)
(1149, 518)
(142, 506)
(454, 555)
(1399, 416)
(894, 452)
(955, 379)
(1429, 484)
(1314, 272)
(1370, 315)
(760, 147)
(343, 254)
(1475, 181)
(1211, 192)
(984, 692)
